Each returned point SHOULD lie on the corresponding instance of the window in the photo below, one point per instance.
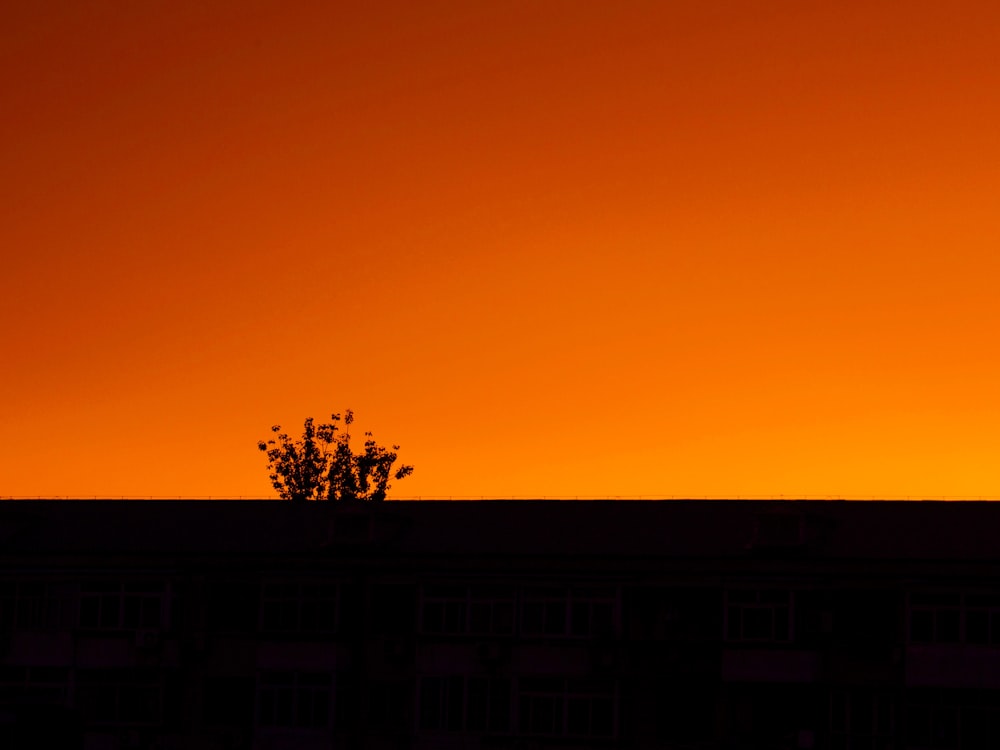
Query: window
(762, 615)
(8, 605)
(465, 704)
(122, 606)
(954, 618)
(444, 609)
(562, 612)
(42, 685)
(459, 610)
(982, 619)
(952, 719)
(935, 618)
(308, 608)
(294, 699)
(569, 708)
(387, 704)
(980, 719)
(685, 614)
(35, 605)
(119, 696)
(491, 611)
(861, 720)
(932, 720)
(442, 704)
(488, 707)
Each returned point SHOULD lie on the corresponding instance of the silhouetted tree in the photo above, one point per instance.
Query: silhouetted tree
(322, 466)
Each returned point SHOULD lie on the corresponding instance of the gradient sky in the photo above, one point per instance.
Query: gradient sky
(551, 248)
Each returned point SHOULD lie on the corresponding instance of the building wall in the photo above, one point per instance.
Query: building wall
(362, 647)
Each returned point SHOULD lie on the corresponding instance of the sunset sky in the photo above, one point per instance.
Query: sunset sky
(551, 248)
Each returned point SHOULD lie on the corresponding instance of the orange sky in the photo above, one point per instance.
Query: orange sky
(551, 248)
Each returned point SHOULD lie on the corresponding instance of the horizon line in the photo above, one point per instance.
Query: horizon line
(479, 497)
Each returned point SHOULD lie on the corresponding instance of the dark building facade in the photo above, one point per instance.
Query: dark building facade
(500, 624)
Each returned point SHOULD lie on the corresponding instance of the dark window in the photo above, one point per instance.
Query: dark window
(456, 704)
(759, 615)
(759, 624)
(982, 619)
(43, 605)
(559, 612)
(37, 685)
(977, 627)
(488, 704)
(932, 726)
(444, 610)
(935, 618)
(861, 718)
(541, 707)
(571, 708)
(387, 703)
(922, 626)
(947, 626)
(294, 699)
(120, 696)
(555, 618)
(491, 610)
(129, 606)
(980, 721)
(8, 605)
(442, 703)
(458, 610)
(303, 608)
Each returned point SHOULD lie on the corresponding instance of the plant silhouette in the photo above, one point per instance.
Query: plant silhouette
(321, 465)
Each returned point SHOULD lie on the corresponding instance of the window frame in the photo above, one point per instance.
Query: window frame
(459, 606)
(571, 600)
(32, 681)
(297, 684)
(845, 706)
(963, 606)
(119, 682)
(138, 596)
(562, 693)
(292, 605)
(447, 702)
(737, 601)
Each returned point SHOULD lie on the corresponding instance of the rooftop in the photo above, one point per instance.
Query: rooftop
(870, 530)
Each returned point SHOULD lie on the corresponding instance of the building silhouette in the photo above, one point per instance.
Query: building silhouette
(500, 624)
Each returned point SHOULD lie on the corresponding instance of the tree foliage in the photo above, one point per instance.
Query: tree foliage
(321, 465)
